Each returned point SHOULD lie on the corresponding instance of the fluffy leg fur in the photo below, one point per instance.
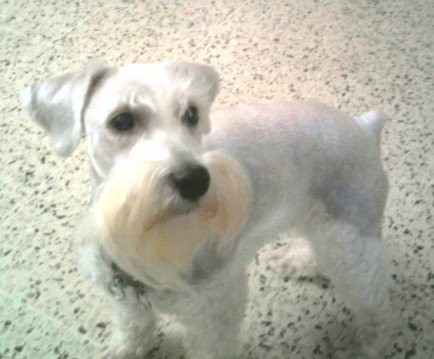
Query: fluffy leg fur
(358, 268)
(134, 331)
(295, 258)
(213, 322)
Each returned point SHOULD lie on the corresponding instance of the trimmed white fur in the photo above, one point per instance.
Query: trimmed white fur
(275, 167)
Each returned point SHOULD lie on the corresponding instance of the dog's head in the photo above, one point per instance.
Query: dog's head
(160, 200)
(164, 105)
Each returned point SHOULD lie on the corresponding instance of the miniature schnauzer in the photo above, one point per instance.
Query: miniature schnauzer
(182, 198)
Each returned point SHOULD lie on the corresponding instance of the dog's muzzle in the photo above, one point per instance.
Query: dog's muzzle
(139, 212)
(191, 181)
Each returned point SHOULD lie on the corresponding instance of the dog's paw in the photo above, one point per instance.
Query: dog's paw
(129, 349)
(295, 259)
(124, 352)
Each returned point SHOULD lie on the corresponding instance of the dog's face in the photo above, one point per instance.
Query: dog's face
(163, 207)
(162, 108)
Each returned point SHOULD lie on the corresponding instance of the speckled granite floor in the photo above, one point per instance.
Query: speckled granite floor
(356, 55)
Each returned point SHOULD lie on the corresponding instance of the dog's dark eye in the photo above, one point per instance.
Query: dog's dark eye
(122, 122)
(191, 116)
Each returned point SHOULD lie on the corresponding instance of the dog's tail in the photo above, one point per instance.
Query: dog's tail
(372, 123)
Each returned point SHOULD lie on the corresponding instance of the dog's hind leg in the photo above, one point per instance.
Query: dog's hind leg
(294, 259)
(358, 267)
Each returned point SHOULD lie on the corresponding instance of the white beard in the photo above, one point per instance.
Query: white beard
(153, 234)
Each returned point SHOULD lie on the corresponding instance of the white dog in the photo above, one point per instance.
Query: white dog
(178, 211)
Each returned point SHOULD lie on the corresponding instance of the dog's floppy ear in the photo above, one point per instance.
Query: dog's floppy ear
(58, 105)
(209, 78)
(203, 78)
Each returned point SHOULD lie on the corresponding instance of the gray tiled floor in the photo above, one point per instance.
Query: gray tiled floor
(355, 55)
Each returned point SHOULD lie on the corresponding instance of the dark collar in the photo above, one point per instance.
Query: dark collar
(121, 283)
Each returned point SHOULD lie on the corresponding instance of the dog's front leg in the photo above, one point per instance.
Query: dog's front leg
(213, 317)
(133, 315)
(134, 330)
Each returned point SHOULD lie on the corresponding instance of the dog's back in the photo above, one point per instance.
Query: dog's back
(327, 154)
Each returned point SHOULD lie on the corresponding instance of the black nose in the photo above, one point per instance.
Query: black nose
(191, 181)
